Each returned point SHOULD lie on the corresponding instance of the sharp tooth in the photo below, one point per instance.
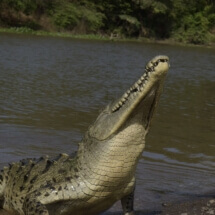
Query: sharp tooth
(141, 88)
(145, 74)
(114, 108)
(125, 95)
(142, 78)
(120, 103)
(123, 99)
(136, 85)
(139, 81)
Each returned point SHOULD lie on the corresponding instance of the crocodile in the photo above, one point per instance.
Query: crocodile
(102, 171)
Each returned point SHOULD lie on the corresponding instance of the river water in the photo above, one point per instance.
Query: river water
(52, 89)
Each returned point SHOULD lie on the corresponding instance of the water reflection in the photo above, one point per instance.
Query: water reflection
(52, 89)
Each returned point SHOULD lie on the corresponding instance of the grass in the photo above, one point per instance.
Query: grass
(25, 30)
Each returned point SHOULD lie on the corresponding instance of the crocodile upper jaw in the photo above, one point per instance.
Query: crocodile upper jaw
(145, 91)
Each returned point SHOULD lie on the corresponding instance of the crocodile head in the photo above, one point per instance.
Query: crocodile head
(136, 105)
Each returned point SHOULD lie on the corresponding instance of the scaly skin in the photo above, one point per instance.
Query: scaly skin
(103, 170)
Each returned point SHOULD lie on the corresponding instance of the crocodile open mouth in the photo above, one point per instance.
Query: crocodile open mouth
(138, 86)
(138, 99)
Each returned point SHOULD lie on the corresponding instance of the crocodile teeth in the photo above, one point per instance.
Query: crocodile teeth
(136, 85)
(135, 89)
(123, 99)
(64, 155)
(139, 82)
(125, 95)
(139, 85)
(114, 109)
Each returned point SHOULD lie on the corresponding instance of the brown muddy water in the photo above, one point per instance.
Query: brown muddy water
(52, 89)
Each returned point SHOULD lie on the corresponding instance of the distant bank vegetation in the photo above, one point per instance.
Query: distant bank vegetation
(187, 21)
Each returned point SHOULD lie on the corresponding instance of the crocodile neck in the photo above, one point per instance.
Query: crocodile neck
(112, 146)
(112, 157)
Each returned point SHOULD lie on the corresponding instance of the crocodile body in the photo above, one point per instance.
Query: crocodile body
(102, 171)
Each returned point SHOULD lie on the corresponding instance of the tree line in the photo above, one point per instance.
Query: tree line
(188, 21)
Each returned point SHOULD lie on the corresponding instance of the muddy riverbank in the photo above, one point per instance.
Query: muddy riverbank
(200, 206)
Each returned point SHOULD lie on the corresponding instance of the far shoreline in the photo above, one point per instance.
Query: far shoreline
(170, 41)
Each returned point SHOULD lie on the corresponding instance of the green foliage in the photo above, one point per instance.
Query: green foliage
(188, 21)
(131, 20)
(157, 7)
(26, 6)
(72, 15)
(194, 29)
(130, 25)
(66, 16)
(22, 30)
(209, 12)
